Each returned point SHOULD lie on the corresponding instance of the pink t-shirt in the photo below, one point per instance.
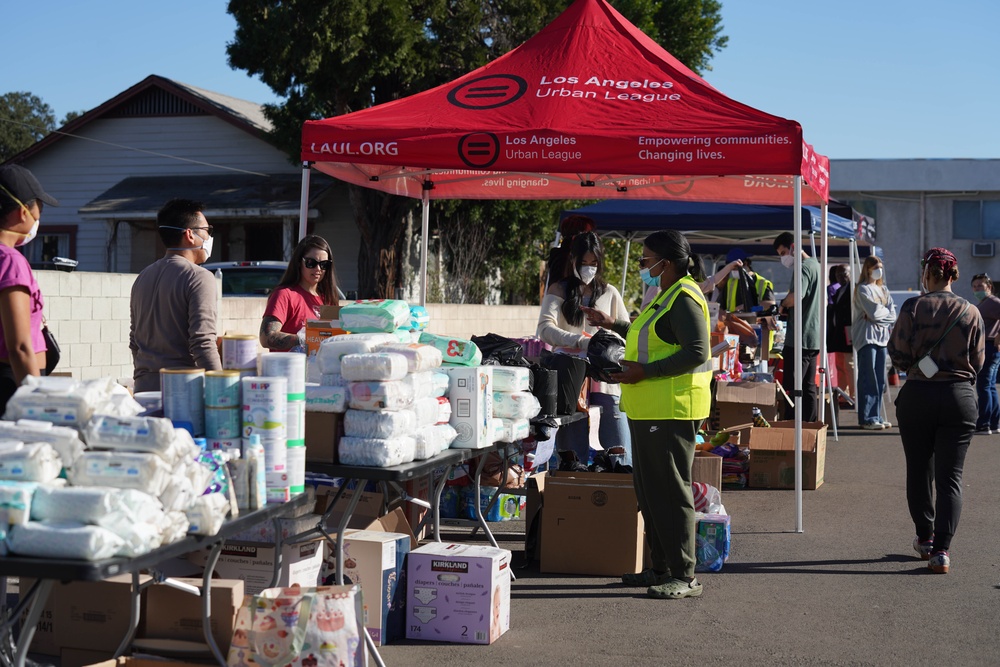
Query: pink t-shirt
(293, 306)
(16, 272)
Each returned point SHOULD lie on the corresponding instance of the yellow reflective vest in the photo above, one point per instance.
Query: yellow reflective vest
(680, 397)
(761, 286)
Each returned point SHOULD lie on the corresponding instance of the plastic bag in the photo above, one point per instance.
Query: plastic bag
(500, 351)
(605, 354)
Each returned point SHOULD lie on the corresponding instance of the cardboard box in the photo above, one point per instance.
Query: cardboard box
(129, 661)
(90, 615)
(323, 432)
(421, 489)
(707, 469)
(176, 614)
(734, 403)
(320, 329)
(532, 518)
(458, 593)
(254, 564)
(772, 455)
(712, 538)
(470, 391)
(375, 560)
(591, 524)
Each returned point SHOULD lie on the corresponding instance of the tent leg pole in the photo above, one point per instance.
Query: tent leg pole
(824, 357)
(628, 247)
(304, 201)
(797, 368)
(425, 218)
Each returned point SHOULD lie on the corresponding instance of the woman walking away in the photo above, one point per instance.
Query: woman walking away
(938, 342)
(874, 315)
(666, 395)
(986, 381)
(308, 284)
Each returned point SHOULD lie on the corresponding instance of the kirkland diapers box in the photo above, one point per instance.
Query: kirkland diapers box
(375, 560)
(254, 563)
(470, 391)
(457, 593)
(772, 455)
(175, 614)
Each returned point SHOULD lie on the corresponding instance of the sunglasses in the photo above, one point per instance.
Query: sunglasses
(311, 263)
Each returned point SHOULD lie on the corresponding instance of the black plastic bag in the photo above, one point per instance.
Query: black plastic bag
(500, 351)
(605, 353)
(571, 372)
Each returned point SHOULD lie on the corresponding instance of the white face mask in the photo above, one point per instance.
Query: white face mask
(877, 274)
(207, 246)
(29, 237)
(735, 275)
(788, 261)
(586, 274)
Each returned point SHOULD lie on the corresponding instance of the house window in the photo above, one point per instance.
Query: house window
(52, 241)
(975, 220)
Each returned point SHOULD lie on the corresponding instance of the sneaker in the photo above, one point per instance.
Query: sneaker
(984, 431)
(874, 426)
(924, 549)
(886, 424)
(675, 589)
(939, 562)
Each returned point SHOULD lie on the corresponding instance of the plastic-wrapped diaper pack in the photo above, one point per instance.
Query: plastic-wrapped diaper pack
(63, 540)
(496, 429)
(440, 383)
(15, 502)
(376, 452)
(394, 395)
(419, 357)
(515, 404)
(511, 378)
(422, 383)
(375, 315)
(332, 380)
(379, 424)
(333, 349)
(373, 367)
(427, 410)
(148, 434)
(515, 429)
(65, 440)
(121, 470)
(444, 410)
(34, 462)
(454, 350)
(433, 439)
(326, 399)
(62, 401)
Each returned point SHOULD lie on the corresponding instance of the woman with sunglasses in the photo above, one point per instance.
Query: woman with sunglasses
(308, 284)
(986, 381)
(666, 395)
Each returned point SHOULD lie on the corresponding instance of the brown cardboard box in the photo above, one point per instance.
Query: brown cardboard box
(420, 488)
(591, 524)
(734, 403)
(319, 330)
(129, 661)
(176, 614)
(532, 506)
(92, 615)
(707, 469)
(254, 563)
(772, 455)
(323, 431)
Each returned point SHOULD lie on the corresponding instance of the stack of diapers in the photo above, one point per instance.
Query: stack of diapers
(378, 453)
(365, 316)
(513, 408)
(419, 357)
(320, 398)
(373, 367)
(66, 441)
(454, 350)
(333, 349)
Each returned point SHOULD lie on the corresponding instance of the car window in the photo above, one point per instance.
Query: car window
(253, 281)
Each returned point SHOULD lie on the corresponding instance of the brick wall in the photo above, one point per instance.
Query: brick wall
(89, 315)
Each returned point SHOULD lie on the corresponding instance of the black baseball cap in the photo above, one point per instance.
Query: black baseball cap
(21, 183)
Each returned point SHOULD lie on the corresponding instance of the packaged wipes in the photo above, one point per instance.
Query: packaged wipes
(69, 540)
(62, 401)
(380, 424)
(333, 349)
(394, 395)
(419, 357)
(207, 513)
(121, 470)
(65, 440)
(375, 315)
(454, 350)
(33, 462)
(376, 452)
(15, 502)
(148, 434)
(373, 367)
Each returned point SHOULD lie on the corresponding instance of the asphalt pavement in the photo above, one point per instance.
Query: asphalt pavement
(848, 590)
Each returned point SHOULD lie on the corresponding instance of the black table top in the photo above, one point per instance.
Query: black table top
(83, 570)
(400, 473)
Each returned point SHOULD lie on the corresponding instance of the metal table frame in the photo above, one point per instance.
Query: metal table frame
(49, 571)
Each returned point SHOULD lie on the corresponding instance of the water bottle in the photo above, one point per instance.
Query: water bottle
(758, 418)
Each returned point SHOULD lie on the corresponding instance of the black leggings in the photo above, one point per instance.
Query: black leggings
(8, 385)
(936, 423)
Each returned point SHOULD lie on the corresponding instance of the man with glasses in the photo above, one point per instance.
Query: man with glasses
(173, 304)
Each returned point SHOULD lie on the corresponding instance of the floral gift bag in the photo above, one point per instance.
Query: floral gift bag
(300, 627)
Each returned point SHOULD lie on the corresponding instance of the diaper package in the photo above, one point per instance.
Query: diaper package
(375, 315)
(454, 350)
(333, 349)
(379, 424)
(511, 378)
(63, 540)
(496, 429)
(515, 430)
(422, 383)
(373, 367)
(430, 440)
(121, 470)
(515, 404)
(427, 411)
(326, 399)
(149, 434)
(34, 462)
(439, 384)
(444, 410)
(394, 395)
(15, 502)
(332, 380)
(65, 440)
(419, 357)
(376, 452)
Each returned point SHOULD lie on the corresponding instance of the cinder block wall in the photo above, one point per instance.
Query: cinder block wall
(89, 315)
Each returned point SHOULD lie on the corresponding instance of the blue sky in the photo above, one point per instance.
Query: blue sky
(866, 79)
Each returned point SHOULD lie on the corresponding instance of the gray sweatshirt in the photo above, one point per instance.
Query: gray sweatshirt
(874, 315)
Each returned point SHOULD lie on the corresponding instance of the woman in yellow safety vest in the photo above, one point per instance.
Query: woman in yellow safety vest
(666, 395)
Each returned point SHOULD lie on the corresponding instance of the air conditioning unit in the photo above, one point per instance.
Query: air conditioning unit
(983, 249)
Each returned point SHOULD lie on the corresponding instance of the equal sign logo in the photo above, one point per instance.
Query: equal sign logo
(479, 150)
(488, 92)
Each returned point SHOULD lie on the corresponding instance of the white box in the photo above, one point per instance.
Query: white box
(254, 564)
(470, 392)
(457, 593)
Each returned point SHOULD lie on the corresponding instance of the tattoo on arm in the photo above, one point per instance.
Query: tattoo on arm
(271, 336)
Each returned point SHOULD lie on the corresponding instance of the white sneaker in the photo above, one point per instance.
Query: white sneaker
(874, 426)
(886, 424)
(939, 562)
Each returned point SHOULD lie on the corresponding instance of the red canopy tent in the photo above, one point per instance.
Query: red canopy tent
(589, 108)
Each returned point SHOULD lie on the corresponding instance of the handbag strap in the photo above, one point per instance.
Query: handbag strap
(931, 348)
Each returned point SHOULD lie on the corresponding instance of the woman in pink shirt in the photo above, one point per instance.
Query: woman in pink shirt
(308, 284)
(22, 347)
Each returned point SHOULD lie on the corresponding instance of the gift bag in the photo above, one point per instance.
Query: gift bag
(300, 627)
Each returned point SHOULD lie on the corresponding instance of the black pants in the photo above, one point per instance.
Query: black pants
(936, 423)
(810, 392)
(8, 385)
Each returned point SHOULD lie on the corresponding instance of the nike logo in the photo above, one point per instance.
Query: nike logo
(654, 429)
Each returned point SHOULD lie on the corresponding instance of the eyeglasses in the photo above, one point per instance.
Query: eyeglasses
(311, 263)
(210, 229)
(644, 262)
